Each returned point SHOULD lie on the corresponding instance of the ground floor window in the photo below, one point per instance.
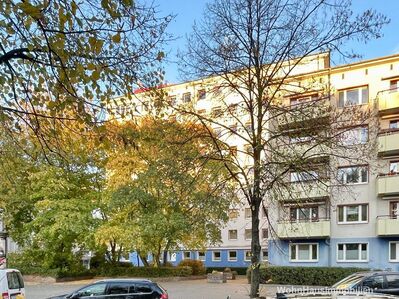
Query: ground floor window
(201, 255)
(186, 255)
(394, 251)
(248, 234)
(216, 256)
(265, 255)
(304, 252)
(352, 252)
(233, 256)
(247, 255)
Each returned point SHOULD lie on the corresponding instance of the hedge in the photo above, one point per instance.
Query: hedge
(313, 276)
(144, 271)
(239, 270)
(197, 266)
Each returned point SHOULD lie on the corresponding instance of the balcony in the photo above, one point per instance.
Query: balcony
(388, 102)
(310, 113)
(387, 226)
(307, 150)
(388, 143)
(388, 185)
(310, 190)
(304, 230)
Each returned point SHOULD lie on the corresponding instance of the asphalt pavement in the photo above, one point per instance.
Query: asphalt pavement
(189, 289)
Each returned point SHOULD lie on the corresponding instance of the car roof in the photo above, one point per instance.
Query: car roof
(125, 280)
(9, 270)
(370, 273)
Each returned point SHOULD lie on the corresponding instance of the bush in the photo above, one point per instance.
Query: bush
(144, 271)
(239, 270)
(321, 276)
(197, 266)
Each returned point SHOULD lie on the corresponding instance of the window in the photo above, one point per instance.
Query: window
(116, 288)
(248, 126)
(303, 100)
(232, 256)
(15, 280)
(93, 290)
(356, 252)
(233, 214)
(201, 94)
(373, 283)
(394, 209)
(303, 138)
(355, 96)
(248, 213)
(218, 131)
(303, 176)
(394, 167)
(247, 255)
(393, 281)
(141, 288)
(201, 255)
(248, 149)
(394, 124)
(394, 251)
(248, 234)
(304, 252)
(357, 135)
(216, 111)
(187, 97)
(353, 213)
(265, 255)
(233, 151)
(186, 255)
(233, 234)
(353, 175)
(202, 112)
(394, 85)
(172, 100)
(265, 233)
(216, 256)
(233, 128)
(310, 213)
(172, 257)
(232, 109)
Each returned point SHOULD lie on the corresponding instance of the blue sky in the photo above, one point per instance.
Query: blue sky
(187, 11)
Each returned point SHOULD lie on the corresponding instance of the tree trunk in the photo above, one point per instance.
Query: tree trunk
(143, 259)
(255, 251)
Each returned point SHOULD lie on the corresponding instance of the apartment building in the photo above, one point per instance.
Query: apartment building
(349, 216)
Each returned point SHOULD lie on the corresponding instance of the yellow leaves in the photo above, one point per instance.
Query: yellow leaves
(74, 7)
(116, 38)
(31, 10)
(95, 75)
(96, 45)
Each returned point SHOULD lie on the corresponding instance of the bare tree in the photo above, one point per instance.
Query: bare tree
(253, 55)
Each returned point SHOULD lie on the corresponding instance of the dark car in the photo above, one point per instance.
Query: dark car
(118, 289)
(377, 282)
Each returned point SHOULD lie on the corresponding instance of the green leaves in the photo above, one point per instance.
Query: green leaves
(30, 10)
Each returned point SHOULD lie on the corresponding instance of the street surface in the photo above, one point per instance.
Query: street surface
(191, 289)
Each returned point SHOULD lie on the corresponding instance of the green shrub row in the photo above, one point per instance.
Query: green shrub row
(197, 266)
(144, 271)
(313, 276)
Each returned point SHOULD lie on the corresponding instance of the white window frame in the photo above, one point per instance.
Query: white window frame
(310, 260)
(247, 259)
(359, 252)
(200, 257)
(228, 234)
(213, 256)
(360, 207)
(232, 259)
(184, 255)
(304, 176)
(359, 169)
(360, 96)
(397, 251)
(245, 234)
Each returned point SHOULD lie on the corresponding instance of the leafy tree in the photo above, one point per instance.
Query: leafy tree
(58, 56)
(167, 186)
(253, 49)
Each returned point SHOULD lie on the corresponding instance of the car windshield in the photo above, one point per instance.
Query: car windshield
(348, 282)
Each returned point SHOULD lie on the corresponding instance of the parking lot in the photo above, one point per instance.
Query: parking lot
(193, 289)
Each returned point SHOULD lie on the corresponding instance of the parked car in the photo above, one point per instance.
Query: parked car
(11, 284)
(377, 282)
(118, 289)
